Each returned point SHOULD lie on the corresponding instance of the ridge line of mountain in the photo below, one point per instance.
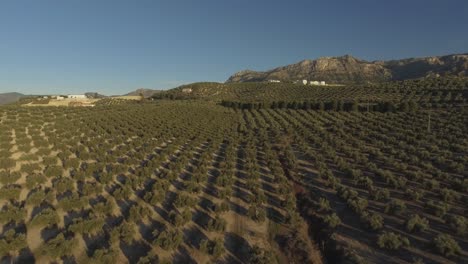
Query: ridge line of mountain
(349, 69)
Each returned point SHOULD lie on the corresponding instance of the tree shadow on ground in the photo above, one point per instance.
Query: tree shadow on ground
(238, 209)
(135, 250)
(95, 242)
(183, 256)
(201, 218)
(206, 204)
(274, 215)
(146, 230)
(237, 246)
(25, 256)
(69, 260)
(193, 236)
(49, 233)
(125, 207)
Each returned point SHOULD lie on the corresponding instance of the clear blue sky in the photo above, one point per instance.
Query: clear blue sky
(115, 46)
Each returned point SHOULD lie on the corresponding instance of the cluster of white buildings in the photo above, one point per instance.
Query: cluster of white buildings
(305, 82)
(70, 96)
(76, 96)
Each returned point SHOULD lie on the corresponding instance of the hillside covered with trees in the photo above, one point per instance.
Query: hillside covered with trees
(241, 173)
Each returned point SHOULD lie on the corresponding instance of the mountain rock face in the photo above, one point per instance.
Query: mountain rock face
(145, 92)
(348, 69)
(7, 98)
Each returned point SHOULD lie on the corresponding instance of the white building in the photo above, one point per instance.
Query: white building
(317, 83)
(60, 97)
(304, 82)
(274, 81)
(76, 96)
(187, 90)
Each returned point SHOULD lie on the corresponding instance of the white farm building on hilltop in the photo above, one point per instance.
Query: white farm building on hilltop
(77, 96)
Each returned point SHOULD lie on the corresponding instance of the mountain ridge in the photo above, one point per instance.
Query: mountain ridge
(7, 98)
(143, 91)
(350, 69)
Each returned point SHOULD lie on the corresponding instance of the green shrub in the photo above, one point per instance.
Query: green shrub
(261, 256)
(47, 217)
(205, 246)
(127, 232)
(30, 168)
(217, 224)
(7, 163)
(63, 185)
(12, 242)
(74, 202)
(218, 248)
(446, 245)
(53, 171)
(138, 213)
(459, 224)
(379, 194)
(358, 205)
(395, 207)
(257, 213)
(104, 256)
(38, 197)
(416, 223)
(352, 257)
(35, 179)
(184, 200)
(346, 193)
(58, 247)
(91, 188)
(12, 213)
(415, 194)
(89, 226)
(104, 208)
(449, 195)
(390, 240)
(10, 193)
(7, 177)
(373, 221)
(222, 207)
(169, 239)
(332, 220)
(324, 205)
(438, 208)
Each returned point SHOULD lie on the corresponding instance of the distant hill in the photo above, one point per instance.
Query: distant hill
(94, 95)
(348, 69)
(145, 92)
(7, 98)
(287, 91)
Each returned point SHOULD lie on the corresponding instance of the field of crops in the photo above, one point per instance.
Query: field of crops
(387, 186)
(196, 182)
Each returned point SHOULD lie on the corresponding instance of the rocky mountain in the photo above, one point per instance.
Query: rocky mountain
(348, 69)
(7, 98)
(145, 92)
